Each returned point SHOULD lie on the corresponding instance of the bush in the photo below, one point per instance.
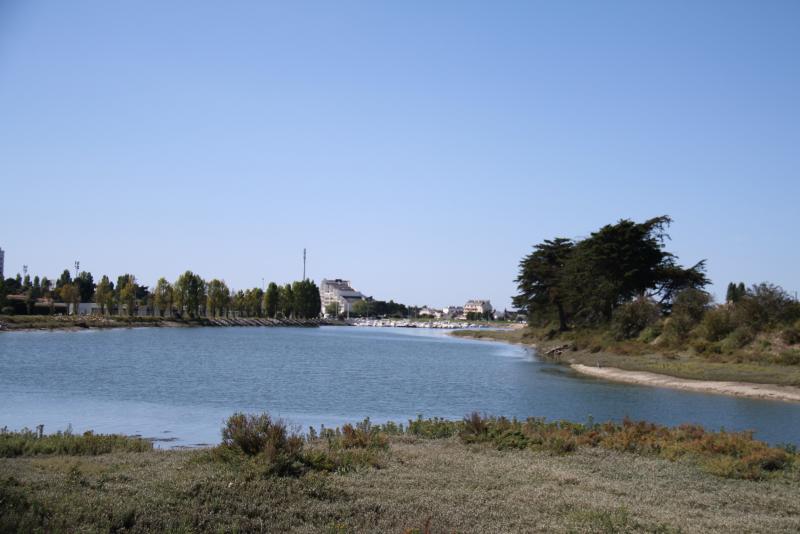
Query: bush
(267, 445)
(738, 339)
(650, 333)
(630, 319)
(435, 428)
(735, 455)
(791, 336)
(253, 434)
(687, 311)
(788, 357)
(717, 323)
(363, 436)
(766, 306)
(476, 427)
(27, 443)
(260, 435)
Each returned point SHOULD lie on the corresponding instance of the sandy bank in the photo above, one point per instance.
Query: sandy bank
(738, 389)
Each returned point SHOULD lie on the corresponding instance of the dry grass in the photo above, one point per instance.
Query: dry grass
(443, 483)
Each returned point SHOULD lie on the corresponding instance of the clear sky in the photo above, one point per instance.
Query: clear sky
(416, 148)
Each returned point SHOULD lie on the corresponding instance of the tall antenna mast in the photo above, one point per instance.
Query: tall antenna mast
(304, 264)
(77, 266)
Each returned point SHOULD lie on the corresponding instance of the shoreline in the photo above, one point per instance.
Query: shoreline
(735, 389)
(79, 324)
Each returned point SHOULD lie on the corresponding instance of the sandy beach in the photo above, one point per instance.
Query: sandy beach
(739, 389)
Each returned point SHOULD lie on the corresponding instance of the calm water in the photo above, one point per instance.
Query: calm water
(179, 384)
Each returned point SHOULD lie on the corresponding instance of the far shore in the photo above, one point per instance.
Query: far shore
(737, 389)
(92, 322)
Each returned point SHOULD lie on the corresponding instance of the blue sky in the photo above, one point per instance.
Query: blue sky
(417, 148)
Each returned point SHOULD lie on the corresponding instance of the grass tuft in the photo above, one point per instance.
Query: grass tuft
(28, 443)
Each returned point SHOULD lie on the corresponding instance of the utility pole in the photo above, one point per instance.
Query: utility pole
(304, 265)
(77, 266)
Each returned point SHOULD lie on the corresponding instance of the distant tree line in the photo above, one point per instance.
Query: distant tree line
(190, 295)
(370, 307)
(621, 280)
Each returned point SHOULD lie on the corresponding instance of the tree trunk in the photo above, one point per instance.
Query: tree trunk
(562, 317)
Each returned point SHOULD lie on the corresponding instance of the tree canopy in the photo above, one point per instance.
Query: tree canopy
(584, 281)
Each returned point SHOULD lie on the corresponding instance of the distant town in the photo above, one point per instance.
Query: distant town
(77, 293)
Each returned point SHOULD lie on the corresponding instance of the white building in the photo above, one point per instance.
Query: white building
(451, 312)
(85, 308)
(477, 306)
(430, 312)
(339, 293)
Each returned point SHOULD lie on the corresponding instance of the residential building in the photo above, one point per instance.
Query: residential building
(85, 308)
(477, 306)
(429, 312)
(340, 293)
(41, 306)
(2, 263)
(452, 312)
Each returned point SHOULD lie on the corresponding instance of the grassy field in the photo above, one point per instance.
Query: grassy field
(638, 356)
(443, 483)
(475, 480)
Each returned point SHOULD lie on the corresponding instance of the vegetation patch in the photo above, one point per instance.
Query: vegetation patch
(269, 447)
(266, 445)
(29, 443)
(479, 474)
(726, 454)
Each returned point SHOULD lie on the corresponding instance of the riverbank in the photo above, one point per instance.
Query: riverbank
(737, 389)
(413, 485)
(11, 323)
(675, 370)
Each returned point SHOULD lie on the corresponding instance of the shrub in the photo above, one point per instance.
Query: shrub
(27, 443)
(363, 436)
(737, 339)
(791, 335)
(631, 318)
(788, 357)
(650, 333)
(435, 428)
(267, 445)
(735, 455)
(253, 434)
(260, 435)
(716, 324)
(766, 306)
(755, 465)
(687, 311)
(475, 427)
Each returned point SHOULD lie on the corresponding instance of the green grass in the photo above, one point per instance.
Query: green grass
(27, 443)
(476, 475)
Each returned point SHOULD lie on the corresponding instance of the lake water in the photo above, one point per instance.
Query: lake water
(179, 384)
